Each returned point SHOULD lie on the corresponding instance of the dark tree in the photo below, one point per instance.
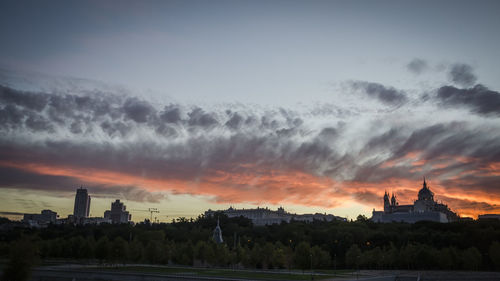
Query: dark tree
(23, 256)
(494, 252)
(303, 256)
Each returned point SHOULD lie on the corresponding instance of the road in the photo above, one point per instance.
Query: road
(66, 274)
(73, 273)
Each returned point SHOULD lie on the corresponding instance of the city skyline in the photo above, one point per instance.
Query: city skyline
(186, 106)
(425, 208)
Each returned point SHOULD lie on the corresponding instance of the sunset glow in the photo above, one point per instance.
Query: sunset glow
(316, 107)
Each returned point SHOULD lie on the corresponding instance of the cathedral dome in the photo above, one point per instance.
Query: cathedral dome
(425, 193)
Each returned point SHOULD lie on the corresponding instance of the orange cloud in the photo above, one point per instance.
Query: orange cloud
(471, 203)
(250, 185)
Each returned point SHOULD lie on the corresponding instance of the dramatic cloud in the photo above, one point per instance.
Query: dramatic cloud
(478, 99)
(11, 214)
(387, 95)
(65, 185)
(462, 74)
(124, 146)
(137, 110)
(417, 66)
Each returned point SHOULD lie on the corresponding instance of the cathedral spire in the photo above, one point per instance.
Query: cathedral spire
(393, 200)
(217, 236)
(425, 193)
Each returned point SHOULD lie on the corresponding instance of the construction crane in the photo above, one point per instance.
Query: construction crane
(151, 211)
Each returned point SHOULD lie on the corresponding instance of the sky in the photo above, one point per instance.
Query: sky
(317, 106)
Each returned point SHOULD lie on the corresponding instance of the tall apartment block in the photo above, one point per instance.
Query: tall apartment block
(82, 204)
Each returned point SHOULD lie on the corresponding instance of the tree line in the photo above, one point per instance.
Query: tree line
(359, 244)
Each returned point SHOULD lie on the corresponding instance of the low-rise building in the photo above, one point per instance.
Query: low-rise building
(97, 220)
(44, 218)
(489, 216)
(266, 216)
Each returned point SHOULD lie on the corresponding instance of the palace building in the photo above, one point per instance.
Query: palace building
(425, 208)
(266, 216)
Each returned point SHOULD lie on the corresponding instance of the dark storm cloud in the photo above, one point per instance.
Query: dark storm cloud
(11, 213)
(235, 121)
(375, 172)
(473, 182)
(198, 117)
(478, 99)
(423, 138)
(452, 139)
(171, 114)
(367, 197)
(66, 185)
(128, 136)
(38, 123)
(130, 193)
(166, 130)
(33, 101)
(138, 110)
(115, 115)
(417, 66)
(70, 106)
(176, 161)
(76, 127)
(115, 128)
(387, 95)
(329, 134)
(476, 149)
(10, 116)
(43, 112)
(265, 142)
(387, 140)
(462, 74)
(476, 144)
(17, 178)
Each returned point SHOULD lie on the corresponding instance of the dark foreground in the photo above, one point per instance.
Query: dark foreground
(143, 273)
(460, 246)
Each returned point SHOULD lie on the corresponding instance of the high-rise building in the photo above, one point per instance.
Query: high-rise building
(82, 204)
(118, 213)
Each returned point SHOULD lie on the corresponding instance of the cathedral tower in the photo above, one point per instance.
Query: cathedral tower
(387, 205)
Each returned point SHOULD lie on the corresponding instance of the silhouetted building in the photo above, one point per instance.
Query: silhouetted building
(82, 204)
(265, 216)
(218, 234)
(489, 216)
(44, 218)
(118, 213)
(423, 209)
(96, 220)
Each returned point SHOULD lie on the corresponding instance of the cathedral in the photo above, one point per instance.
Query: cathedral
(423, 209)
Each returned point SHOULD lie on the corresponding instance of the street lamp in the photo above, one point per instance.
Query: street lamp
(335, 264)
(357, 267)
(311, 255)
